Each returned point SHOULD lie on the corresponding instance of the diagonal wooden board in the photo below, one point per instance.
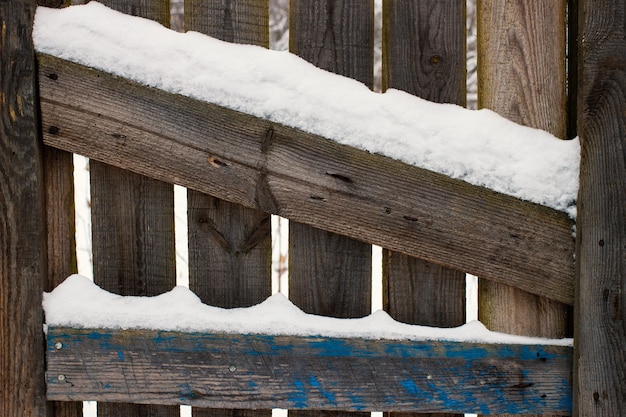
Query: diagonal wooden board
(264, 371)
(306, 178)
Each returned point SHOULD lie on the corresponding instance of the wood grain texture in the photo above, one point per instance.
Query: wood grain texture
(521, 48)
(229, 252)
(303, 177)
(230, 246)
(600, 329)
(424, 49)
(133, 224)
(424, 55)
(252, 371)
(241, 21)
(335, 35)
(22, 219)
(330, 274)
(521, 62)
(61, 233)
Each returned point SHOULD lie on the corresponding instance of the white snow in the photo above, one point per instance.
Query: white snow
(479, 147)
(80, 303)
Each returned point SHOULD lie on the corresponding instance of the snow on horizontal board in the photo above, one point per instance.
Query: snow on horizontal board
(80, 303)
(479, 147)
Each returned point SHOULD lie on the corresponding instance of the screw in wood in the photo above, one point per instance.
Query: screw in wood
(58, 345)
(61, 377)
(232, 368)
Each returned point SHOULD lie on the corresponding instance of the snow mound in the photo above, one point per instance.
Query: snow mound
(479, 147)
(80, 303)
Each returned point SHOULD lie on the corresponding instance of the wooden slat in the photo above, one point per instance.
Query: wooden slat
(521, 74)
(22, 219)
(600, 323)
(133, 226)
(230, 246)
(330, 274)
(252, 371)
(424, 55)
(61, 232)
(306, 178)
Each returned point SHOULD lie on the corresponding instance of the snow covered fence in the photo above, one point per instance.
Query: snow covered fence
(243, 165)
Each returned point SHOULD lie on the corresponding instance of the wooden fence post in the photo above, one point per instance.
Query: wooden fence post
(600, 311)
(133, 227)
(424, 55)
(331, 274)
(521, 75)
(22, 219)
(61, 228)
(230, 246)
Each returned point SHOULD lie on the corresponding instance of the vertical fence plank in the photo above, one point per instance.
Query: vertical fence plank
(230, 246)
(61, 228)
(133, 227)
(600, 327)
(61, 231)
(22, 219)
(331, 274)
(521, 75)
(424, 55)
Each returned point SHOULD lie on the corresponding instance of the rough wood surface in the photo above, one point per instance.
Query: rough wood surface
(22, 219)
(424, 55)
(133, 225)
(307, 178)
(230, 246)
(600, 329)
(61, 232)
(521, 61)
(424, 49)
(241, 21)
(331, 274)
(252, 371)
(522, 76)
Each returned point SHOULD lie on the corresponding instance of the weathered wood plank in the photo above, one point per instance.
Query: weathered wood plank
(307, 178)
(424, 55)
(61, 233)
(331, 274)
(22, 218)
(133, 225)
(522, 76)
(230, 246)
(600, 322)
(252, 371)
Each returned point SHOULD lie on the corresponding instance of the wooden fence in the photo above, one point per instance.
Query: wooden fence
(525, 257)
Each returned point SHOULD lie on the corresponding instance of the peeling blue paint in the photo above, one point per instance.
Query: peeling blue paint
(330, 397)
(298, 398)
(120, 355)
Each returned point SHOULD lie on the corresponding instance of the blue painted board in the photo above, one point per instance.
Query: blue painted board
(265, 371)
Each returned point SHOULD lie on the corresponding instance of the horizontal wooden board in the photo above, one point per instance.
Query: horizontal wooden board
(263, 371)
(306, 178)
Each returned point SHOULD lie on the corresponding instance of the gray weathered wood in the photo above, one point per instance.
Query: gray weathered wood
(61, 232)
(252, 371)
(521, 48)
(307, 178)
(133, 225)
(22, 219)
(600, 325)
(241, 21)
(230, 246)
(330, 274)
(424, 55)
